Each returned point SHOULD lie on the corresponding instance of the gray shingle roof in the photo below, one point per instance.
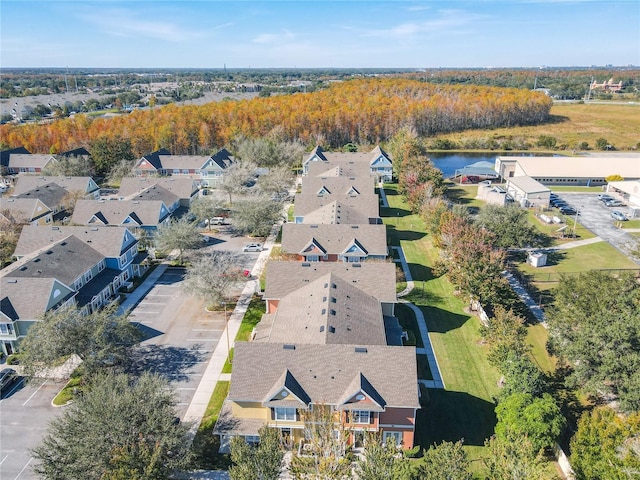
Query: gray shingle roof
(155, 192)
(114, 212)
(326, 372)
(188, 162)
(23, 160)
(27, 208)
(338, 168)
(66, 261)
(50, 194)
(374, 278)
(311, 185)
(108, 241)
(335, 238)
(336, 208)
(25, 298)
(328, 310)
(70, 184)
(183, 187)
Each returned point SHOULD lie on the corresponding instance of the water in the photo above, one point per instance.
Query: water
(448, 163)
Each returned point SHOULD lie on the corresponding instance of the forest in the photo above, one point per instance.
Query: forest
(363, 111)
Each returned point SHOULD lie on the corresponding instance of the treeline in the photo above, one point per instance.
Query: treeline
(365, 111)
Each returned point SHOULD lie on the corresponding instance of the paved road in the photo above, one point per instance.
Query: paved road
(596, 217)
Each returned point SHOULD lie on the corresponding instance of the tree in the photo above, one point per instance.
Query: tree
(107, 152)
(205, 208)
(614, 178)
(447, 461)
(70, 199)
(325, 460)
(100, 339)
(514, 459)
(73, 166)
(606, 445)
(505, 334)
(594, 324)
(122, 427)
(212, 275)
(11, 224)
(120, 169)
(522, 376)
(256, 215)
(602, 144)
(236, 178)
(380, 460)
(510, 226)
(278, 180)
(261, 462)
(523, 415)
(178, 235)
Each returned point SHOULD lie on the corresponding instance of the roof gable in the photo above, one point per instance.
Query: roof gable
(313, 248)
(361, 394)
(286, 390)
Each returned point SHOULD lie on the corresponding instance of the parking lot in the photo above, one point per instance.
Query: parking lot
(596, 217)
(26, 412)
(180, 338)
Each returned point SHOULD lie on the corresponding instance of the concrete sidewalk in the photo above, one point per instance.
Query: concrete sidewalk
(139, 293)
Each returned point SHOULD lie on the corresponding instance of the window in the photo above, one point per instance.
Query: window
(313, 258)
(397, 436)
(123, 260)
(360, 416)
(284, 414)
(101, 266)
(252, 439)
(88, 276)
(6, 329)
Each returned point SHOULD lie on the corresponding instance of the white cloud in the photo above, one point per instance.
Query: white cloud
(122, 22)
(269, 38)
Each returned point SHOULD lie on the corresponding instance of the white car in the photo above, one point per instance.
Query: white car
(252, 247)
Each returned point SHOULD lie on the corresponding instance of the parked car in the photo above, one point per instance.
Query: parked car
(618, 215)
(613, 203)
(252, 247)
(567, 210)
(603, 197)
(8, 377)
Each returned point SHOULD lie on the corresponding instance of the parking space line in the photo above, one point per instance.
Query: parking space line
(186, 388)
(202, 339)
(29, 399)
(5, 457)
(205, 330)
(24, 468)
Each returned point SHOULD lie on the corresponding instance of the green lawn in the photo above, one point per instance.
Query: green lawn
(465, 409)
(631, 224)
(205, 445)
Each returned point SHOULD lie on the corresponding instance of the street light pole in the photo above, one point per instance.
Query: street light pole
(224, 304)
(575, 223)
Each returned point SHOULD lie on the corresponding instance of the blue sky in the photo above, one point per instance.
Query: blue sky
(305, 33)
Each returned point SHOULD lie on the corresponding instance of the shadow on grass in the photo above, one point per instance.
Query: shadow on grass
(451, 416)
(442, 321)
(407, 320)
(396, 235)
(458, 195)
(421, 272)
(391, 212)
(172, 363)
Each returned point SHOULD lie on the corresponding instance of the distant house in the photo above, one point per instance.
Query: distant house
(367, 388)
(51, 194)
(334, 242)
(76, 152)
(30, 211)
(28, 163)
(6, 154)
(85, 185)
(208, 170)
(67, 272)
(157, 192)
(376, 279)
(135, 215)
(337, 185)
(379, 162)
(185, 189)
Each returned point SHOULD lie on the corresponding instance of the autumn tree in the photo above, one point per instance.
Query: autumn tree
(594, 324)
(381, 460)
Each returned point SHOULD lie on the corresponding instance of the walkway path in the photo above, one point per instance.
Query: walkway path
(525, 297)
(139, 293)
(383, 195)
(437, 381)
(212, 374)
(577, 243)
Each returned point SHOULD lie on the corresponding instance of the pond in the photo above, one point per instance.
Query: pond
(448, 163)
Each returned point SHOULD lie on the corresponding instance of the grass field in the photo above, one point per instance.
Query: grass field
(574, 123)
(205, 445)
